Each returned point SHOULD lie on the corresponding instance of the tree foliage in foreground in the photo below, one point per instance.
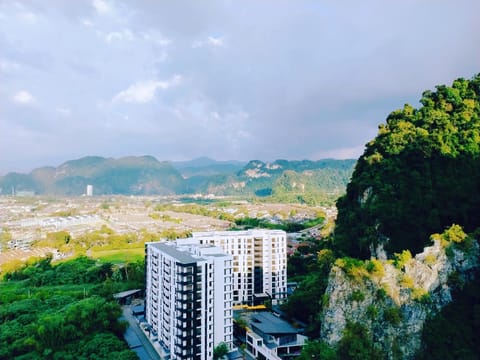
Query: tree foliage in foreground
(418, 176)
(62, 311)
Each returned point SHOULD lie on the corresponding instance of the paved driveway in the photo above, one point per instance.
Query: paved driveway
(136, 339)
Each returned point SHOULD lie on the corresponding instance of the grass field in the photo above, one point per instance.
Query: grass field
(119, 256)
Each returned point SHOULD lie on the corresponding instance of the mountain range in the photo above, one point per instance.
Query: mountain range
(145, 175)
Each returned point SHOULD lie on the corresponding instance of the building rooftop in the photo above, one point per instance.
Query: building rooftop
(251, 232)
(188, 253)
(183, 257)
(270, 324)
(127, 293)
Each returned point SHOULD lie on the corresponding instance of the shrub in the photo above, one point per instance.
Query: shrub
(381, 293)
(393, 315)
(375, 267)
(419, 293)
(357, 295)
(357, 343)
(354, 268)
(372, 312)
(406, 282)
(430, 259)
(455, 234)
(401, 259)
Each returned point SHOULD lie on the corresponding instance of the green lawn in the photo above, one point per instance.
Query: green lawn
(120, 255)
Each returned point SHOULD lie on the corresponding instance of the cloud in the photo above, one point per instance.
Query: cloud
(87, 23)
(144, 91)
(210, 41)
(23, 97)
(156, 37)
(319, 74)
(124, 35)
(64, 111)
(101, 7)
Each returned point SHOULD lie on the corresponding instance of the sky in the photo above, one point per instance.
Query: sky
(225, 79)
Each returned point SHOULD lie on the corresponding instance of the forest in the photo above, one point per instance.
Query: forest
(420, 175)
(65, 310)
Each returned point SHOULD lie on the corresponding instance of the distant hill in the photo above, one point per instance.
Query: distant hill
(205, 166)
(142, 175)
(145, 175)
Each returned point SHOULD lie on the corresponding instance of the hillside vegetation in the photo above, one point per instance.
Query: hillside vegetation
(420, 175)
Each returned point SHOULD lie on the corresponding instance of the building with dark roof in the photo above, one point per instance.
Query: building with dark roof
(271, 338)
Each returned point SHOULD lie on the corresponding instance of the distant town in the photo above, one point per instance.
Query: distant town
(195, 286)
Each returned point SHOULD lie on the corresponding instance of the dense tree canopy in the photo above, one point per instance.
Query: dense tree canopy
(418, 176)
(64, 311)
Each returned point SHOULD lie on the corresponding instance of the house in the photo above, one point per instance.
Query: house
(272, 338)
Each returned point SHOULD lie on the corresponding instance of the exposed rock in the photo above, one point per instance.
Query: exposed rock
(394, 300)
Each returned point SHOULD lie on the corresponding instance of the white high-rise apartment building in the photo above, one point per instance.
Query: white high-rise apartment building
(259, 262)
(189, 298)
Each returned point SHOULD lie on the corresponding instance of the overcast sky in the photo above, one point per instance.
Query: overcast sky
(225, 79)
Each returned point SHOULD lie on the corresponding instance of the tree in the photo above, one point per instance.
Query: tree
(417, 177)
(220, 351)
(316, 349)
(357, 344)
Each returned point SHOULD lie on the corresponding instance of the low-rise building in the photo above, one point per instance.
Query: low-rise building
(271, 338)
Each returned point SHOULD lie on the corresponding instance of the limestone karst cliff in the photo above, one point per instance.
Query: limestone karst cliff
(393, 298)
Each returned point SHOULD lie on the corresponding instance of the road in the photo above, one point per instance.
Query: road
(137, 339)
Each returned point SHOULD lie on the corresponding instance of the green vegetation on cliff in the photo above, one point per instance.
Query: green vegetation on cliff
(418, 176)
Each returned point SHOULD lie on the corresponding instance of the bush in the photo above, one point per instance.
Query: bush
(393, 315)
(381, 294)
(420, 294)
(372, 312)
(430, 259)
(406, 282)
(357, 295)
(375, 267)
(357, 344)
(354, 268)
(401, 259)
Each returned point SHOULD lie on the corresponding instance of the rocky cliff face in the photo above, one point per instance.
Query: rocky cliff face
(393, 298)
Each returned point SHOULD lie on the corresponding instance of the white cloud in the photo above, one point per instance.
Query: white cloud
(101, 6)
(125, 34)
(23, 97)
(144, 92)
(213, 41)
(156, 37)
(210, 41)
(87, 22)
